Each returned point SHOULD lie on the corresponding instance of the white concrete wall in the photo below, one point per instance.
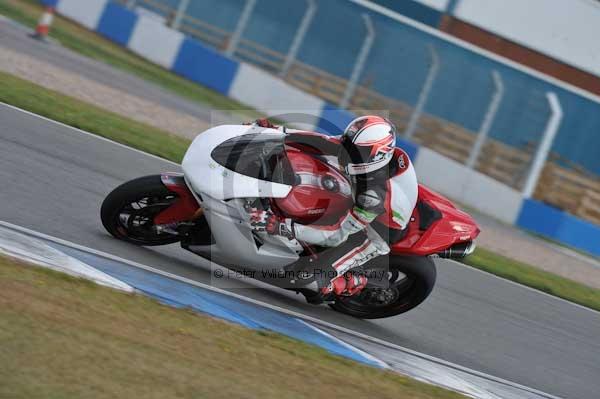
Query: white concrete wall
(568, 30)
(155, 41)
(87, 13)
(466, 186)
(273, 96)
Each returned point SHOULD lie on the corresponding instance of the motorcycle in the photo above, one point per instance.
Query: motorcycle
(230, 170)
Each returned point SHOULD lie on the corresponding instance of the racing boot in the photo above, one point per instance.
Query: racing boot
(348, 284)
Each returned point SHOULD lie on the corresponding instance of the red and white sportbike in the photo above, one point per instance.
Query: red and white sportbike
(232, 169)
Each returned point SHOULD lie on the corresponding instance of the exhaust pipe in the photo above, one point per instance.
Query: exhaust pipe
(458, 251)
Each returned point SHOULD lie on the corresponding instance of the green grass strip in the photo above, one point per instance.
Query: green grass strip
(535, 278)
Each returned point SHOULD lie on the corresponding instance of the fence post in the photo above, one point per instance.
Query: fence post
(234, 41)
(488, 120)
(361, 59)
(543, 149)
(424, 95)
(299, 37)
(180, 13)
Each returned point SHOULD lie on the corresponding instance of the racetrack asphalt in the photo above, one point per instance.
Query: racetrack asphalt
(54, 179)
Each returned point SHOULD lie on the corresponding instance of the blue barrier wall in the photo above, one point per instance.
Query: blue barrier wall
(117, 23)
(205, 66)
(560, 226)
(334, 120)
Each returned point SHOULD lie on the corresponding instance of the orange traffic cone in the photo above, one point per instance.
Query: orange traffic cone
(43, 27)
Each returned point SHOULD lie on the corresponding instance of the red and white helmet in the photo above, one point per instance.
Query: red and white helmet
(367, 145)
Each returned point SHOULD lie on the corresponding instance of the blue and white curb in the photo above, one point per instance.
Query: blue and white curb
(119, 275)
(17, 245)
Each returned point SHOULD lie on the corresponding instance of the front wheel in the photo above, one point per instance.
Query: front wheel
(411, 280)
(128, 211)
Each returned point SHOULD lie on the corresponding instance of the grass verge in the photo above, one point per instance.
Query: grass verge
(90, 44)
(64, 337)
(532, 277)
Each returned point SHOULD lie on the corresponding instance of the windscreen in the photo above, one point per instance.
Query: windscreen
(258, 155)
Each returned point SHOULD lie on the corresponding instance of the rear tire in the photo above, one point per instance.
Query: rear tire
(420, 278)
(149, 190)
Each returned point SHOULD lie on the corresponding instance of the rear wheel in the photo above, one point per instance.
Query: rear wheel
(411, 280)
(128, 211)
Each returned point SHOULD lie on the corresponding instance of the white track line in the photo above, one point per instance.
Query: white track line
(276, 308)
(32, 250)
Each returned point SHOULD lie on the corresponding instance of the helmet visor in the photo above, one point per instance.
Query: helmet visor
(356, 160)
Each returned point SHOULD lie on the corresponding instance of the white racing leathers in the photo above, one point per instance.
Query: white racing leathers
(388, 196)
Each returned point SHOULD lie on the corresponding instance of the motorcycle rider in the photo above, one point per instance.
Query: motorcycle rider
(385, 193)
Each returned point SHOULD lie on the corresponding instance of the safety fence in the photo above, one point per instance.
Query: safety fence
(563, 183)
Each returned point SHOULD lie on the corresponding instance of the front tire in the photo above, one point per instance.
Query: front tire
(128, 211)
(406, 294)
